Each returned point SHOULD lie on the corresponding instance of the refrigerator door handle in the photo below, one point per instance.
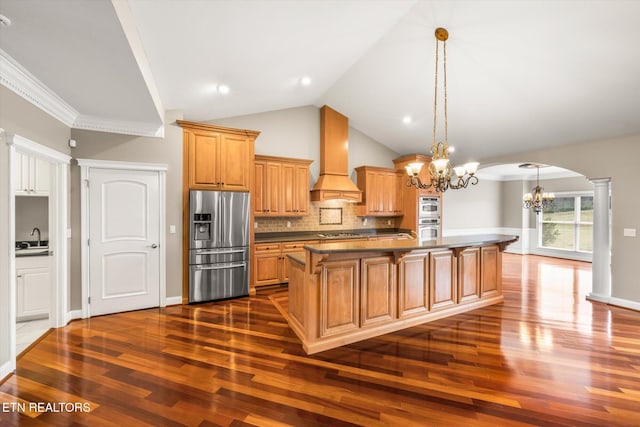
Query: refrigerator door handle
(220, 267)
(216, 252)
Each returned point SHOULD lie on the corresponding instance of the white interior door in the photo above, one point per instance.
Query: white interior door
(124, 231)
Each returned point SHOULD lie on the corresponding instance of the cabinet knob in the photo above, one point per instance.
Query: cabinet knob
(19, 275)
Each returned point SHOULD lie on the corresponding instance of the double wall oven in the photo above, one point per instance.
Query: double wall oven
(219, 245)
(428, 218)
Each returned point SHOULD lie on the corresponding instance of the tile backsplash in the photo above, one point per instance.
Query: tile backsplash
(312, 222)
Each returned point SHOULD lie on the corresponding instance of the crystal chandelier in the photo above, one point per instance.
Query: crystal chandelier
(537, 199)
(441, 170)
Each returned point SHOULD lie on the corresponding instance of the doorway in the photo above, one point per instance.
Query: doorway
(123, 239)
(56, 176)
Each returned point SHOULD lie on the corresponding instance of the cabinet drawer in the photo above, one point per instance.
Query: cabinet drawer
(296, 246)
(267, 247)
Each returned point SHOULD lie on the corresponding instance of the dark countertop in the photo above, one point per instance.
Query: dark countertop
(294, 236)
(411, 244)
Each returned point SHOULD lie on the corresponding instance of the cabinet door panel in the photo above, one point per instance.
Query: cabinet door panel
(288, 188)
(301, 190)
(469, 274)
(339, 304)
(491, 271)
(378, 290)
(260, 191)
(273, 188)
(267, 269)
(443, 279)
(413, 285)
(235, 157)
(203, 159)
(32, 291)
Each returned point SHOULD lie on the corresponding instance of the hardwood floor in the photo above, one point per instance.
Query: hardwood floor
(544, 357)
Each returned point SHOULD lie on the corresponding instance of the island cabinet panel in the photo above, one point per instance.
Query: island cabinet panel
(339, 297)
(491, 282)
(413, 285)
(442, 283)
(378, 290)
(469, 275)
(297, 296)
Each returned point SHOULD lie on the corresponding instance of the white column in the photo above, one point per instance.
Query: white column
(601, 263)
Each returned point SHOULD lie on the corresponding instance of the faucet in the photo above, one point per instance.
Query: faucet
(33, 231)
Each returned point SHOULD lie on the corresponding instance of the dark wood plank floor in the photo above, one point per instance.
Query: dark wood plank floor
(544, 357)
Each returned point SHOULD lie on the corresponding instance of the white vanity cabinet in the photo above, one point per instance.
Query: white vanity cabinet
(32, 287)
(31, 176)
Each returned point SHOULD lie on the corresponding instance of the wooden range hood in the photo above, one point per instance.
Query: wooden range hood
(334, 182)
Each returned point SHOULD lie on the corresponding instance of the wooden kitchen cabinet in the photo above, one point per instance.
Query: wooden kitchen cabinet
(271, 265)
(218, 158)
(382, 191)
(33, 282)
(31, 176)
(281, 186)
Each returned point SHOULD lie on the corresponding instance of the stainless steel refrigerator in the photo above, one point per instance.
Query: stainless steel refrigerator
(219, 245)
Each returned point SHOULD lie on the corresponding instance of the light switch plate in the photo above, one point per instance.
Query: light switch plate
(172, 229)
(630, 232)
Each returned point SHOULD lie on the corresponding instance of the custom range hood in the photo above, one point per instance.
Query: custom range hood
(334, 182)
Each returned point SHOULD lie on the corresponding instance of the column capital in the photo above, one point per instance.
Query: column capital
(600, 181)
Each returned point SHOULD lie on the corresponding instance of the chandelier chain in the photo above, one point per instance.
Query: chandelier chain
(446, 118)
(435, 98)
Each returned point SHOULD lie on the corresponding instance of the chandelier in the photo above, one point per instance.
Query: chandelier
(537, 199)
(443, 175)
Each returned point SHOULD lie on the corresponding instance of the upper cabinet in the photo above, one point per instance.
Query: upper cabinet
(424, 174)
(281, 186)
(30, 176)
(218, 158)
(382, 191)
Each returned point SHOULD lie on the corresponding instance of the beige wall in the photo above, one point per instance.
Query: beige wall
(587, 159)
(20, 117)
(109, 146)
(477, 206)
(512, 191)
(295, 132)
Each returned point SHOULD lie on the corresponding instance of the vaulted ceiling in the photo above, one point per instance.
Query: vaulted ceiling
(521, 74)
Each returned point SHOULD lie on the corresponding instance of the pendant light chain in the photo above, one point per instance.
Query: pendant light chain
(446, 118)
(435, 100)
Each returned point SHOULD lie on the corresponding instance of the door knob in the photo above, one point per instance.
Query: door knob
(154, 246)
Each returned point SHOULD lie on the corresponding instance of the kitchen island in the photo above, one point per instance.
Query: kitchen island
(340, 293)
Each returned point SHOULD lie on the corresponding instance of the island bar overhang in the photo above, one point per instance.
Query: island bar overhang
(341, 293)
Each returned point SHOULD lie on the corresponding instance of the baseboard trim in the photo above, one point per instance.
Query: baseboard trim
(72, 315)
(5, 371)
(174, 300)
(618, 302)
(625, 303)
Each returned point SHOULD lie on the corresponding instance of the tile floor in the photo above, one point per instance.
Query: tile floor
(28, 332)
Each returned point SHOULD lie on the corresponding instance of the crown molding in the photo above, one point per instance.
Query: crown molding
(16, 78)
(19, 80)
(99, 124)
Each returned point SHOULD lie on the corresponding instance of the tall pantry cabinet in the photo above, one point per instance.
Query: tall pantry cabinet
(214, 158)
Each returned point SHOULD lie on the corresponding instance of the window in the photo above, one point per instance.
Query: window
(567, 224)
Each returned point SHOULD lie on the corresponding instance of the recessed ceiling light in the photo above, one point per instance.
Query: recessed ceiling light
(305, 81)
(223, 89)
(452, 148)
(407, 119)
(4, 21)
